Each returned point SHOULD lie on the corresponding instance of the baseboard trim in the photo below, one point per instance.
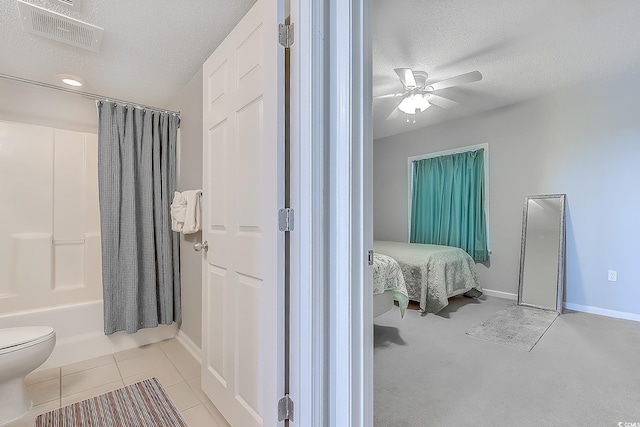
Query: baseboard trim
(602, 311)
(189, 345)
(500, 294)
(571, 306)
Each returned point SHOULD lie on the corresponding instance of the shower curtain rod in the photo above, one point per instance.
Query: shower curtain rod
(86, 94)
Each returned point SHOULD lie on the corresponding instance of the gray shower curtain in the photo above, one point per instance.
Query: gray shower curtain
(140, 253)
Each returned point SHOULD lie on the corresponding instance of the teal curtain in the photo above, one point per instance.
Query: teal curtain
(447, 205)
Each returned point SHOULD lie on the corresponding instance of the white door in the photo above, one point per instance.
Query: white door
(243, 174)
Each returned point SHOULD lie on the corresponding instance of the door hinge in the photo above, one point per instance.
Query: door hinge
(285, 408)
(285, 35)
(285, 219)
(370, 257)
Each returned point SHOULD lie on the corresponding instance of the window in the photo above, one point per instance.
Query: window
(448, 202)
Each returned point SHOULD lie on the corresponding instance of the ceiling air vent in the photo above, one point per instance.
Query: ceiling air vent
(55, 26)
(73, 4)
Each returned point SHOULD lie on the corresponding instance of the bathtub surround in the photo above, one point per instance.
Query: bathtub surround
(80, 332)
(50, 269)
(49, 221)
(140, 254)
(34, 126)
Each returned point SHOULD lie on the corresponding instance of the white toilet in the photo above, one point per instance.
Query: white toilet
(21, 351)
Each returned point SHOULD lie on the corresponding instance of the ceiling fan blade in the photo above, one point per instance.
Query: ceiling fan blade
(394, 114)
(441, 101)
(462, 79)
(406, 77)
(392, 95)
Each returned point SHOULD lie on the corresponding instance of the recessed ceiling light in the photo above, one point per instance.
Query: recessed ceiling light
(71, 80)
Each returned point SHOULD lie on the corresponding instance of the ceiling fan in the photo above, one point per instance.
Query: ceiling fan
(418, 96)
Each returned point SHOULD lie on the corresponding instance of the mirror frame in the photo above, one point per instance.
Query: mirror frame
(561, 251)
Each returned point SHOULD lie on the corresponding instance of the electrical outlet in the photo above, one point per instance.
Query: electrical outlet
(612, 276)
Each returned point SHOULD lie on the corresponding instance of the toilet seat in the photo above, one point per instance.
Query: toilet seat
(13, 339)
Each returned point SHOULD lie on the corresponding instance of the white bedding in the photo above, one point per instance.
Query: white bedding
(433, 273)
(388, 278)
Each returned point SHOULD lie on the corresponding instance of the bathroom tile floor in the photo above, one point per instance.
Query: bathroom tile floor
(169, 361)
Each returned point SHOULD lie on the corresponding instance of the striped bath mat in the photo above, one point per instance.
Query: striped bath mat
(141, 404)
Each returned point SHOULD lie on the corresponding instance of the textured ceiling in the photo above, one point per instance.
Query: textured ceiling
(523, 48)
(150, 48)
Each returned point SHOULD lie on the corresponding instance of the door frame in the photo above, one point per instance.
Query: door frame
(307, 341)
(351, 357)
(331, 173)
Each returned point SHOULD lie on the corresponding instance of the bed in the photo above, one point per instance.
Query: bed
(388, 285)
(433, 273)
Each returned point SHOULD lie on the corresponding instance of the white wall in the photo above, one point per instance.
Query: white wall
(49, 221)
(25, 103)
(584, 142)
(189, 103)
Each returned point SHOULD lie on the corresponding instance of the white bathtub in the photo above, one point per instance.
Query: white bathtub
(79, 332)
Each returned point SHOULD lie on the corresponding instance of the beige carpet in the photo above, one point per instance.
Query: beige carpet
(428, 372)
(515, 326)
(143, 404)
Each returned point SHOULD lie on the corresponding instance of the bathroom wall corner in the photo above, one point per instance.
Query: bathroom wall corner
(189, 103)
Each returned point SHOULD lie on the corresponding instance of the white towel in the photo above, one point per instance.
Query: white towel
(178, 211)
(192, 215)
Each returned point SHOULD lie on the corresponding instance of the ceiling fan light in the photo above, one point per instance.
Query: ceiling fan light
(413, 104)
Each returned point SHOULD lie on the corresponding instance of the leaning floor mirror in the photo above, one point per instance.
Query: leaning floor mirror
(542, 252)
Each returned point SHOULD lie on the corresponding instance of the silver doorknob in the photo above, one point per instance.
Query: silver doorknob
(200, 246)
